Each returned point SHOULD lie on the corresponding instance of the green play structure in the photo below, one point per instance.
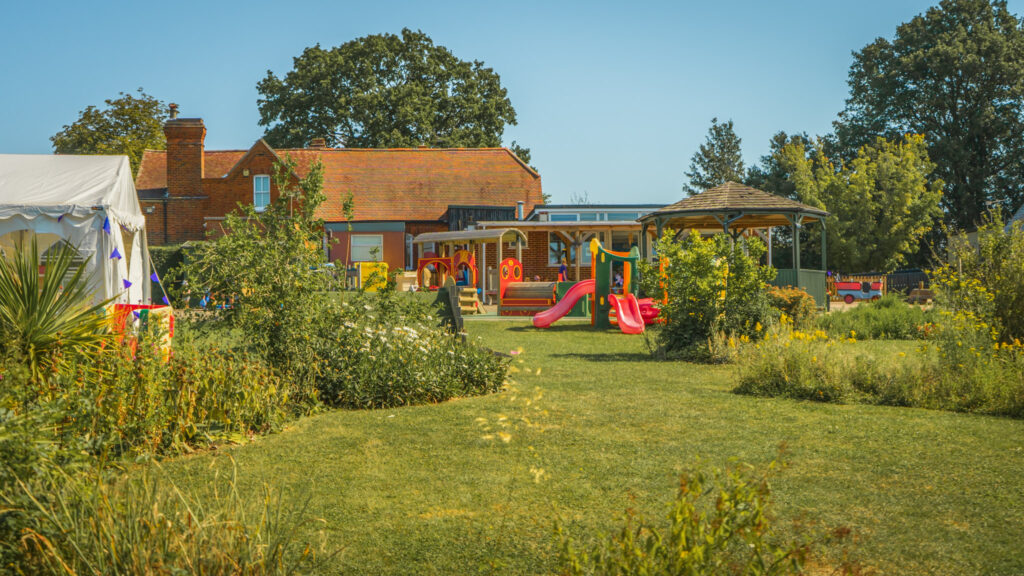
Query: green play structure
(601, 261)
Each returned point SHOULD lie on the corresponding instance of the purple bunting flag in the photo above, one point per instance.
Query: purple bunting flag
(106, 225)
(115, 254)
(136, 314)
(127, 284)
(166, 301)
(59, 218)
(154, 277)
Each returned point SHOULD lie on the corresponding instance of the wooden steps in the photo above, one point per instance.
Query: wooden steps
(468, 301)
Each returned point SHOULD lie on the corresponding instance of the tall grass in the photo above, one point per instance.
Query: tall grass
(146, 525)
(887, 318)
(960, 370)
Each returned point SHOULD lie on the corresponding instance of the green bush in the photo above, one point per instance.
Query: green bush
(795, 303)
(719, 523)
(145, 524)
(886, 318)
(984, 278)
(165, 259)
(713, 285)
(381, 350)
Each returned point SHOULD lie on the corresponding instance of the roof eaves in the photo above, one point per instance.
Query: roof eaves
(237, 166)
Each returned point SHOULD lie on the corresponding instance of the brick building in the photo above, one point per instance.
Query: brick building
(186, 190)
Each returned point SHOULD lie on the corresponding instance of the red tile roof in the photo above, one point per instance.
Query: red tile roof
(402, 184)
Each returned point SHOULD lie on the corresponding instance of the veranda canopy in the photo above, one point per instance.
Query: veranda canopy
(88, 202)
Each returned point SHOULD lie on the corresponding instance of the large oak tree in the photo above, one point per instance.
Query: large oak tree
(386, 90)
(956, 75)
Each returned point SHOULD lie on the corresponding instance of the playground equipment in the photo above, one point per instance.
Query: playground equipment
(630, 314)
(850, 291)
(371, 276)
(518, 298)
(445, 266)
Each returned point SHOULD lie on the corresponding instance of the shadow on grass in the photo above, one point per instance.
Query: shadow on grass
(568, 327)
(608, 356)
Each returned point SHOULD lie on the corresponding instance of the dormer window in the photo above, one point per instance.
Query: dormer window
(261, 192)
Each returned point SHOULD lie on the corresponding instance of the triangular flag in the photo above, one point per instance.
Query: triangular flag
(166, 301)
(59, 218)
(127, 284)
(115, 254)
(154, 277)
(106, 225)
(136, 314)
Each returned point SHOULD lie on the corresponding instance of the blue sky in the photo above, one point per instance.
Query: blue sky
(613, 98)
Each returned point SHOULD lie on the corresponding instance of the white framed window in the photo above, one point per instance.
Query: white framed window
(261, 192)
(366, 248)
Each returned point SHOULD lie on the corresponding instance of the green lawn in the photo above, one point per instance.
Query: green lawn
(420, 491)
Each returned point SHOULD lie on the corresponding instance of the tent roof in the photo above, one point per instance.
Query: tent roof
(752, 208)
(53, 185)
(467, 236)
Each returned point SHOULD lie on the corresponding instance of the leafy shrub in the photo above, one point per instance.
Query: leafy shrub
(377, 350)
(266, 264)
(984, 278)
(886, 318)
(795, 303)
(719, 523)
(146, 525)
(713, 285)
(384, 350)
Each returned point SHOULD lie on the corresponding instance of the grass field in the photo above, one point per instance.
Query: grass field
(421, 491)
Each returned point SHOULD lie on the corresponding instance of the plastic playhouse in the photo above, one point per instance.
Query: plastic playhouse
(625, 309)
(461, 266)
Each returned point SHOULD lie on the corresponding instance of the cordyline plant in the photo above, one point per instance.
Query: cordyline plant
(42, 316)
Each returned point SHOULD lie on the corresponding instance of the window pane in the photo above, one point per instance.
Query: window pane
(261, 191)
(622, 216)
(563, 218)
(557, 249)
(588, 216)
(366, 248)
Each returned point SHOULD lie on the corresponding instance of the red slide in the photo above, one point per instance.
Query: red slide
(627, 310)
(563, 306)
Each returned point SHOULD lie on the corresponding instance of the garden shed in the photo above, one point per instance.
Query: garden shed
(88, 202)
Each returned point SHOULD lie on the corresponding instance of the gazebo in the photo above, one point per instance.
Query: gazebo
(735, 209)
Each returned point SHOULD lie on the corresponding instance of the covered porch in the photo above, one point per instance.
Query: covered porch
(476, 242)
(736, 210)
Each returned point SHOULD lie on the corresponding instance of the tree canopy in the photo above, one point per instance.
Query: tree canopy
(717, 161)
(880, 205)
(128, 125)
(386, 90)
(956, 75)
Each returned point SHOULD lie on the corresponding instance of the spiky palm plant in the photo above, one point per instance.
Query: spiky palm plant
(41, 316)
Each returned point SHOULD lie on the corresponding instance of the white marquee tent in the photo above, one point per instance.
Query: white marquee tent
(88, 202)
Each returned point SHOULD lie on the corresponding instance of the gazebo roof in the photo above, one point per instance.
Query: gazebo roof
(741, 206)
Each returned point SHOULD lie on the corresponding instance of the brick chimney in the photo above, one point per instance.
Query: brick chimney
(185, 137)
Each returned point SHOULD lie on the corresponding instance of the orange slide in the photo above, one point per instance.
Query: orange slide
(627, 310)
(563, 306)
